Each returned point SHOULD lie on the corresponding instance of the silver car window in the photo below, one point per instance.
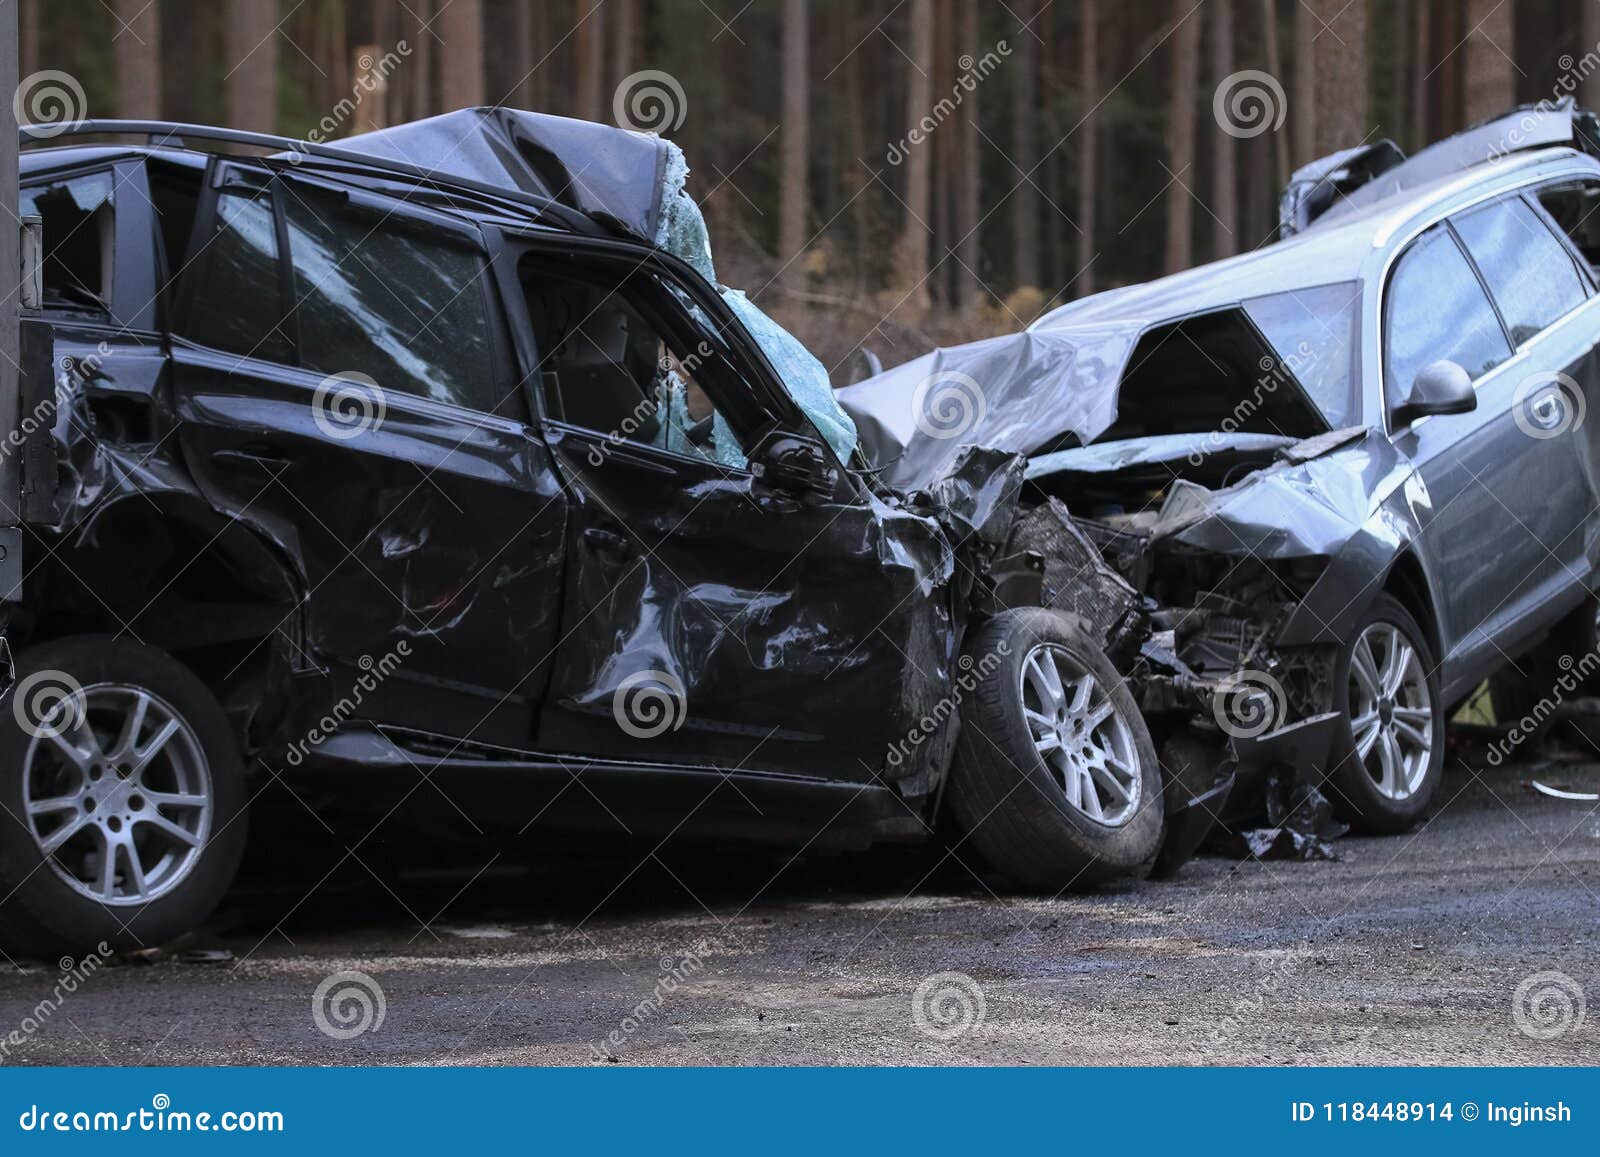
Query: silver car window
(1436, 310)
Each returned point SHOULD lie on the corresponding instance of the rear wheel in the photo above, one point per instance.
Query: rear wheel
(130, 790)
(1516, 689)
(1056, 780)
(1392, 751)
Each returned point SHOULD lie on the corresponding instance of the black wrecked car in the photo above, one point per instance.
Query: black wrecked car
(1341, 480)
(440, 481)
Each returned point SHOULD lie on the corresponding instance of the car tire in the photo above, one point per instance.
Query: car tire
(1389, 754)
(1028, 804)
(173, 814)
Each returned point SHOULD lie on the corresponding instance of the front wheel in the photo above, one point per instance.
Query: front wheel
(1391, 752)
(129, 790)
(1055, 780)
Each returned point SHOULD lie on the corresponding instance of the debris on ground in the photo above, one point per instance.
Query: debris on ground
(1562, 793)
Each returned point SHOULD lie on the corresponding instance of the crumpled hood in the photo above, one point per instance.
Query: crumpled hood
(615, 175)
(1017, 393)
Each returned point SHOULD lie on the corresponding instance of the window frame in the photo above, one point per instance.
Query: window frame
(1384, 328)
(1559, 235)
(754, 410)
(512, 405)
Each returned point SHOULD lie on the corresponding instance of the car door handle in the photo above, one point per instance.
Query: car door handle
(254, 458)
(605, 541)
(1546, 409)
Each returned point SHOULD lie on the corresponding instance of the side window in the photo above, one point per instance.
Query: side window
(237, 304)
(1575, 206)
(606, 367)
(378, 296)
(1529, 273)
(1435, 309)
(78, 239)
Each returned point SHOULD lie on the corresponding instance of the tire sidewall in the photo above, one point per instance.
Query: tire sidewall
(43, 913)
(1065, 830)
(1355, 794)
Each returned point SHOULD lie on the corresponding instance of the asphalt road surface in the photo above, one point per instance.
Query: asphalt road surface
(1475, 939)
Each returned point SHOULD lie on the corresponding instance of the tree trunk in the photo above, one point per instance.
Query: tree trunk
(520, 53)
(138, 52)
(419, 70)
(460, 28)
(1419, 75)
(28, 36)
(911, 272)
(251, 43)
(1588, 37)
(1089, 136)
(1274, 53)
(1185, 42)
(1025, 149)
(1304, 104)
(1341, 74)
(589, 46)
(793, 187)
(968, 192)
(1491, 77)
(624, 38)
(1224, 177)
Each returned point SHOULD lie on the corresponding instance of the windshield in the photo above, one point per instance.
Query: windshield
(1313, 332)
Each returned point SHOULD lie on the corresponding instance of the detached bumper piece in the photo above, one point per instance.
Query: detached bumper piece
(1284, 766)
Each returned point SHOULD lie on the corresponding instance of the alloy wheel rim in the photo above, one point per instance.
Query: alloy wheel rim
(1391, 710)
(1083, 740)
(118, 798)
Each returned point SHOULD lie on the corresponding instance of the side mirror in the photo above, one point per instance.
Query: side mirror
(32, 261)
(1441, 387)
(796, 466)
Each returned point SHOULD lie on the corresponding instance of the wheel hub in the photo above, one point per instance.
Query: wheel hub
(1085, 744)
(119, 804)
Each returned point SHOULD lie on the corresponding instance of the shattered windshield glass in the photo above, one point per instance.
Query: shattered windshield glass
(1313, 332)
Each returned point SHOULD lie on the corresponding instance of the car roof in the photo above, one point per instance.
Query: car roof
(1336, 248)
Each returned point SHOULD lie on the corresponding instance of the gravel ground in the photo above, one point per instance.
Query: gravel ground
(1410, 950)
